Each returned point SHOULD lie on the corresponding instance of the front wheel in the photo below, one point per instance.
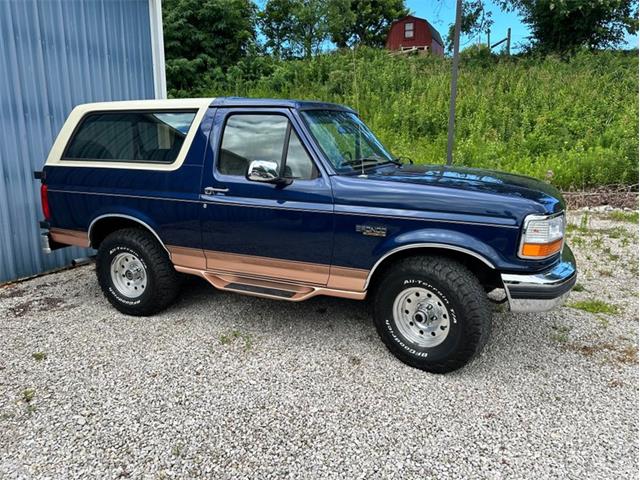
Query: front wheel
(135, 272)
(432, 313)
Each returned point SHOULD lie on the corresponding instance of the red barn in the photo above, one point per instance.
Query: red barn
(413, 33)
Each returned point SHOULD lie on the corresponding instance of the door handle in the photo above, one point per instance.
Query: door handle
(212, 190)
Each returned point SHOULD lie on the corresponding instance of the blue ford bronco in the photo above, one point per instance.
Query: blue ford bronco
(291, 199)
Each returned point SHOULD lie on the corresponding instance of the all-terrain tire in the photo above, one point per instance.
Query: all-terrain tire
(158, 283)
(432, 285)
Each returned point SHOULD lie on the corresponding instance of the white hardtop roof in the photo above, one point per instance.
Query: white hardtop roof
(201, 105)
(146, 104)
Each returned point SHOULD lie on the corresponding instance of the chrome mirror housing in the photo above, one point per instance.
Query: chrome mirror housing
(263, 171)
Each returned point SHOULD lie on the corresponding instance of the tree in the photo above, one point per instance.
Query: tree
(566, 25)
(277, 23)
(475, 19)
(203, 38)
(310, 28)
(363, 22)
(294, 27)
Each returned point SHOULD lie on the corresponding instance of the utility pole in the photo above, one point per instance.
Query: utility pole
(454, 82)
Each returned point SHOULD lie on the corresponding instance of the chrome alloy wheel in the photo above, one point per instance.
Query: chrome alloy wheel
(421, 317)
(128, 275)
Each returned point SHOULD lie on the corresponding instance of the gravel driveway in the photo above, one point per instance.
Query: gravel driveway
(229, 386)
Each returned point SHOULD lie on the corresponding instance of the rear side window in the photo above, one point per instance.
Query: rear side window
(141, 136)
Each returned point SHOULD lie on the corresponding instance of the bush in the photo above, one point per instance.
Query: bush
(574, 122)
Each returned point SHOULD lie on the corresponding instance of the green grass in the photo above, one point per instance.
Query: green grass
(39, 356)
(595, 306)
(615, 232)
(231, 337)
(620, 216)
(578, 287)
(574, 123)
(28, 394)
(560, 333)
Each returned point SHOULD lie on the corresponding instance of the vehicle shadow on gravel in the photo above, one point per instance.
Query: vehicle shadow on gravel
(328, 311)
(320, 322)
(529, 342)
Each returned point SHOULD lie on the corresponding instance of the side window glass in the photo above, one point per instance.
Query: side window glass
(251, 137)
(144, 136)
(299, 164)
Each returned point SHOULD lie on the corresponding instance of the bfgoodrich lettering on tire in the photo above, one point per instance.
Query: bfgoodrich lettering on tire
(432, 313)
(135, 272)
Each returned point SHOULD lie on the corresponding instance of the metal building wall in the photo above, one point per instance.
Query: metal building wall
(55, 54)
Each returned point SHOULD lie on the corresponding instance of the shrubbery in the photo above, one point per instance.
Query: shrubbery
(572, 121)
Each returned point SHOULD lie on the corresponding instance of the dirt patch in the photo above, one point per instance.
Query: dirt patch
(627, 355)
(619, 196)
(35, 305)
(11, 291)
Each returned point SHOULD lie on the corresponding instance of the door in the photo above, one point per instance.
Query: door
(276, 231)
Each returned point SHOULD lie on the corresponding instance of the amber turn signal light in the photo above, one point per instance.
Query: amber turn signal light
(541, 249)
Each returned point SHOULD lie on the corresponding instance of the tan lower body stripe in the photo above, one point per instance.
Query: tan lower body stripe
(69, 237)
(307, 279)
(301, 273)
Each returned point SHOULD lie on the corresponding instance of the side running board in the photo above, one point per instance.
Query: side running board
(259, 287)
(258, 290)
(268, 288)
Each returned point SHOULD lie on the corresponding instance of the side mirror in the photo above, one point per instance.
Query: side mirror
(266, 172)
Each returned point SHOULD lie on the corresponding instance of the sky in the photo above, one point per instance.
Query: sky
(441, 14)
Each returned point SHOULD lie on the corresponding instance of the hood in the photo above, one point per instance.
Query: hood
(476, 180)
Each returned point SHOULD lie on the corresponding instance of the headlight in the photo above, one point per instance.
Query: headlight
(542, 236)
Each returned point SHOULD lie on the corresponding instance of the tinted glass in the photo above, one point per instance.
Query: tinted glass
(130, 136)
(262, 137)
(299, 164)
(344, 138)
(251, 137)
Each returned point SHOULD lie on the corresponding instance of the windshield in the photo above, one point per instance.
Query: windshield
(347, 142)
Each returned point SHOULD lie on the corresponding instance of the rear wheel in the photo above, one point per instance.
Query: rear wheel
(135, 272)
(432, 313)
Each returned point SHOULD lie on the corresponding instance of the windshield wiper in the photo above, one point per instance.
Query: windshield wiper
(366, 162)
(401, 160)
(395, 161)
(360, 161)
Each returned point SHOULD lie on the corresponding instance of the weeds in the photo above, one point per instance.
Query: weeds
(584, 222)
(578, 241)
(612, 257)
(543, 117)
(620, 216)
(595, 306)
(28, 394)
(231, 337)
(578, 287)
(597, 242)
(616, 232)
(39, 356)
(560, 333)
(177, 450)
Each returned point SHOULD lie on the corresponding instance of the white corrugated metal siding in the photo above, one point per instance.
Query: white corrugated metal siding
(55, 54)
